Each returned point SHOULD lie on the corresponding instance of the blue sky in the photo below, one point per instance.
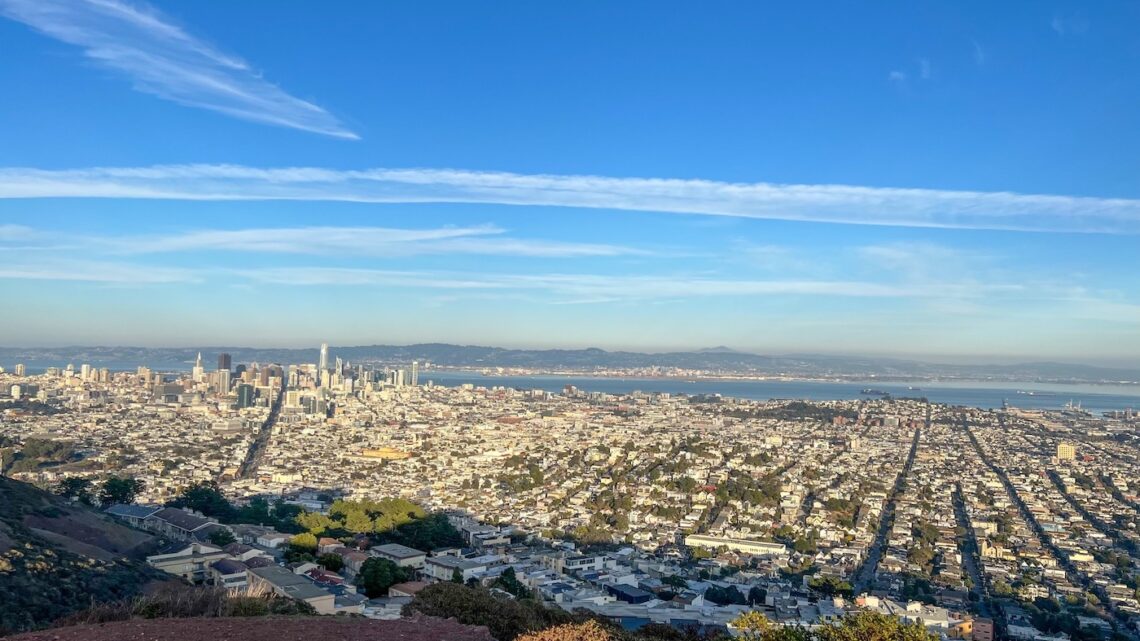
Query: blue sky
(941, 180)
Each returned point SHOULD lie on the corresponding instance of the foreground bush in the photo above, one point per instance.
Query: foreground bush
(588, 631)
(861, 626)
(182, 601)
(506, 619)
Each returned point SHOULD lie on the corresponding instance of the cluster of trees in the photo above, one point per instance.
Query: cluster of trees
(377, 575)
(206, 497)
(728, 595)
(844, 511)
(38, 453)
(383, 521)
(361, 517)
(509, 582)
(528, 620)
(529, 477)
(742, 486)
(111, 491)
(831, 586)
(862, 626)
(921, 553)
(796, 410)
(1050, 617)
(808, 543)
(506, 619)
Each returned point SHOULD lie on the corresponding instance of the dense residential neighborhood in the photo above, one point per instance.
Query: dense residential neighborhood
(640, 508)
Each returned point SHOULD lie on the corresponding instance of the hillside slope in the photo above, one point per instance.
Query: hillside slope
(262, 629)
(56, 558)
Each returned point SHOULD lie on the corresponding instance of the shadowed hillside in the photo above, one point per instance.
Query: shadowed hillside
(57, 558)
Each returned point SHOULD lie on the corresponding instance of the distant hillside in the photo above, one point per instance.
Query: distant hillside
(717, 359)
(56, 558)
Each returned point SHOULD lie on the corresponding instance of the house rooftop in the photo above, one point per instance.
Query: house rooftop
(398, 551)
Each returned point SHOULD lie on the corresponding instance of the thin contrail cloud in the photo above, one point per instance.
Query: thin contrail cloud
(845, 204)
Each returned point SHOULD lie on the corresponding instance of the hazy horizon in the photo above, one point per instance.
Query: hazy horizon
(980, 360)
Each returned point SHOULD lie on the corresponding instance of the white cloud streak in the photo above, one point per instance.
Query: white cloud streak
(95, 271)
(579, 288)
(980, 55)
(386, 242)
(163, 60)
(847, 204)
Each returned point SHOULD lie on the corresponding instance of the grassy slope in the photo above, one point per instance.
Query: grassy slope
(56, 558)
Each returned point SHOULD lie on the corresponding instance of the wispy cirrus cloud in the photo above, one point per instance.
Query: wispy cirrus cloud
(846, 204)
(1069, 24)
(387, 242)
(378, 241)
(162, 59)
(980, 54)
(579, 288)
(95, 271)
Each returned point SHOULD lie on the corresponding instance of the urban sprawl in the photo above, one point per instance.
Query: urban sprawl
(684, 510)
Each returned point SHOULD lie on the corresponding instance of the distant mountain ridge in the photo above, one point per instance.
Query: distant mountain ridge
(716, 360)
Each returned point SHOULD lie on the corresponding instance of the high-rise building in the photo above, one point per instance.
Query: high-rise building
(1066, 452)
(323, 365)
(84, 371)
(225, 361)
(21, 369)
(244, 396)
(223, 381)
(415, 373)
(199, 372)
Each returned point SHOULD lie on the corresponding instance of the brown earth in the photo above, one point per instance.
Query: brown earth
(265, 629)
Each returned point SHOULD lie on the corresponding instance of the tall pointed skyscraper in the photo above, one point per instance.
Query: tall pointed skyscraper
(198, 372)
(323, 365)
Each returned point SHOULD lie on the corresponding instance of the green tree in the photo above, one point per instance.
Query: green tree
(206, 497)
(304, 542)
(331, 562)
(75, 488)
(509, 581)
(831, 586)
(506, 619)
(676, 581)
(377, 575)
(120, 490)
(861, 626)
(222, 537)
(872, 626)
(315, 522)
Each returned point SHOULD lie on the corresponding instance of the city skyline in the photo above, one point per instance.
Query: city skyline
(913, 200)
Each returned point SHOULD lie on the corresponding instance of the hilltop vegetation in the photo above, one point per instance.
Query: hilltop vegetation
(57, 558)
(35, 454)
(529, 620)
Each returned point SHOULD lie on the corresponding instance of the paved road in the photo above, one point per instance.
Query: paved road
(866, 572)
(1075, 577)
(257, 447)
(970, 550)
